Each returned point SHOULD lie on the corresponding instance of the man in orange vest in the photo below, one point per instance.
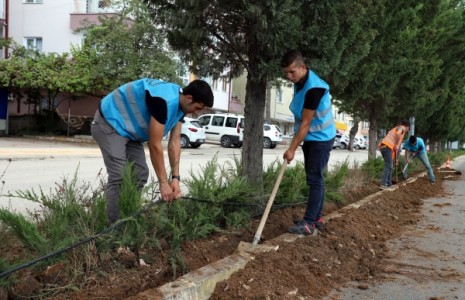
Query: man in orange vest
(389, 148)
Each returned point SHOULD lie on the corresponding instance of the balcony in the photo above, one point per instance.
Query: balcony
(89, 11)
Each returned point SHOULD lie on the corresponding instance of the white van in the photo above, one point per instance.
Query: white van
(228, 129)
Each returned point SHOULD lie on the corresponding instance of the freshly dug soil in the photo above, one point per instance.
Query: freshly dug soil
(350, 248)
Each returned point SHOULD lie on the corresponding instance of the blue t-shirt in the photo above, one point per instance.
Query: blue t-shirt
(418, 147)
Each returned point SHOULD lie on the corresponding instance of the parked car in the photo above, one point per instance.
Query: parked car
(192, 133)
(272, 136)
(359, 143)
(341, 141)
(228, 129)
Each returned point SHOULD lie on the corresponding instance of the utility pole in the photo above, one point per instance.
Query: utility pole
(268, 104)
(412, 125)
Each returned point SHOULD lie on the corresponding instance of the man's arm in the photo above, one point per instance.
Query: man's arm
(174, 155)
(157, 158)
(307, 117)
(407, 156)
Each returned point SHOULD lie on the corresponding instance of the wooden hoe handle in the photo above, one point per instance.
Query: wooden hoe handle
(258, 234)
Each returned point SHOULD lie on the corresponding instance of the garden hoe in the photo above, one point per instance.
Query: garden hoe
(406, 165)
(244, 246)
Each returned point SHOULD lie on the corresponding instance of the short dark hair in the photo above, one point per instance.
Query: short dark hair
(412, 139)
(405, 123)
(292, 56)
(200, 91)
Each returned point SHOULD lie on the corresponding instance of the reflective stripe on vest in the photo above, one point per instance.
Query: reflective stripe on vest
(322, 127)
(126, 111)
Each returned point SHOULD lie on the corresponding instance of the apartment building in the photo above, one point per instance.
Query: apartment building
(3, 93)
(50, 26)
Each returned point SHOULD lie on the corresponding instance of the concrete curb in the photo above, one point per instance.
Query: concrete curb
(76, 139)
(88, 139)
(200, 284)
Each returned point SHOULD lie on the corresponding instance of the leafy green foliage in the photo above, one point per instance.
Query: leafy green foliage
(130, 203)
(293, 187)
(219, 183)
(373, 168)
(25, 230)
(407, 70)
(127, 47)
(334, 180)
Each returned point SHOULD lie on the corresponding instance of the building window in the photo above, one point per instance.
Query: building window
(32, 1)
(279, 96)
(103, 3)
(98, 6)
(33, 43)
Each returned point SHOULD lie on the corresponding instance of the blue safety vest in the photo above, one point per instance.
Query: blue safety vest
(126, 111)
(322, 127)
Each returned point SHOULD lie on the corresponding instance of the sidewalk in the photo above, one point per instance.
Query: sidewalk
(428, 260)
(87, 139)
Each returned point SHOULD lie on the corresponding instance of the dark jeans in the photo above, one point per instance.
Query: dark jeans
(423, 157)
(386, 177)
(316, 157)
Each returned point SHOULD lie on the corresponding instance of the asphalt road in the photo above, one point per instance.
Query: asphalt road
(428, 260)
(32, 164)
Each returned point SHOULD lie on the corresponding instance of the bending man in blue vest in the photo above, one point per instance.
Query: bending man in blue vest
(315, 127)
(141, 111)
(415, 147)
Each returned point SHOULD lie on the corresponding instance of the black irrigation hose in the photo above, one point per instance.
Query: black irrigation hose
(221, 203)
(78, 243)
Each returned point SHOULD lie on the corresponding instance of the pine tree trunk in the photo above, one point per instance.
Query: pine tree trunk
(252, 154)
(353, 131)
(373, 136)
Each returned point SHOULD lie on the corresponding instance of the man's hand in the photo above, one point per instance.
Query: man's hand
(166, 191)
(174, 184)
(289, 155)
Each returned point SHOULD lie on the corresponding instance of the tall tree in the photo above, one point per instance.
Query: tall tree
(129, 46)
(440, 113)
(400, 68)
(253, 36)
(37, 74)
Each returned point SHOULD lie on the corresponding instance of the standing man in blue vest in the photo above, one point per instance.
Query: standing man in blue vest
(415, 147)
(141, 111)
(315, 127)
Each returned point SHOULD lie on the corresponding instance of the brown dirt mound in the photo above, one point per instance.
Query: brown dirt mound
(350, 248)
